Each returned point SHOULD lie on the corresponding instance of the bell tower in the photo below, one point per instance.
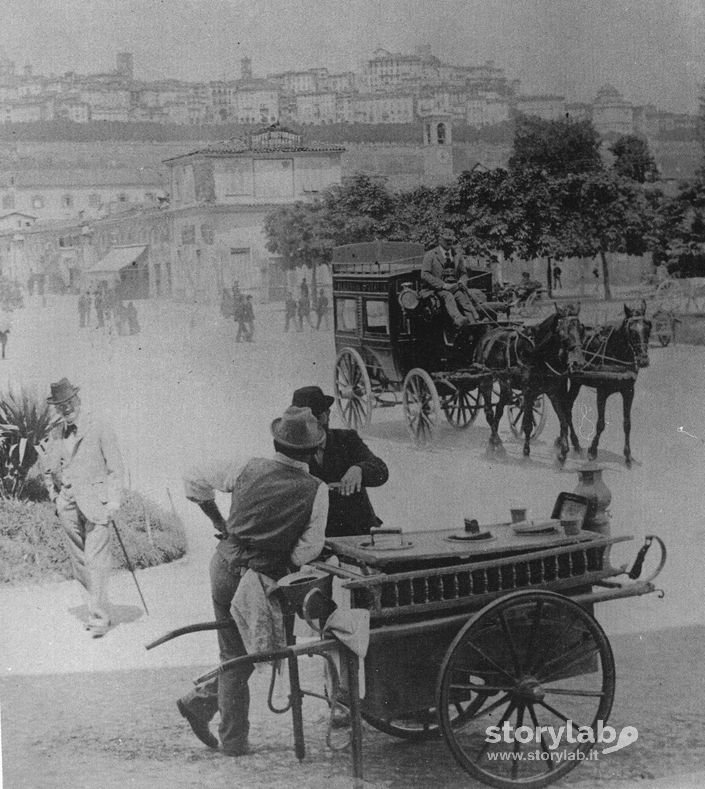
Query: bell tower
(438, 148)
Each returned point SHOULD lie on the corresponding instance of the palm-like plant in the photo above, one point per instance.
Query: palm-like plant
(25, 421)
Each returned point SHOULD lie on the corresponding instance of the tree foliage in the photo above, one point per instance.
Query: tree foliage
(633, 159)
(556, 147)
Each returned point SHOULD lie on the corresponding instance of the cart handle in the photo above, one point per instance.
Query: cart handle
(635, 572)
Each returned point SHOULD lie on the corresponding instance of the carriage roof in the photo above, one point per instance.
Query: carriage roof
(377, 259)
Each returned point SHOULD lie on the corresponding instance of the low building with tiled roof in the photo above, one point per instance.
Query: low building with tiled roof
(219, 197)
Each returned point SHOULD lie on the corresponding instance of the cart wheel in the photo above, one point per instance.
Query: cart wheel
(353, 391)
(530, 659)
(422, 725)
(421, 406)
(664, 339)
(516, 415)
(461, 407)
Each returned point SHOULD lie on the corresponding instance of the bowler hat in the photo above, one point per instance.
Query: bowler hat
(62, 391)
(298, 428)
(312, 397)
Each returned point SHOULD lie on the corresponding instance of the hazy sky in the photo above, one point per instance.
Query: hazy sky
(651, 50)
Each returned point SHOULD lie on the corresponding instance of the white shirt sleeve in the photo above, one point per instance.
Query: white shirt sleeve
(201, 483)
(311, 542)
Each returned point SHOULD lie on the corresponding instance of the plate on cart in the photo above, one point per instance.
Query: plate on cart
(539, 527)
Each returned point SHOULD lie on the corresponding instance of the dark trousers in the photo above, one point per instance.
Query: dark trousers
(230, 695)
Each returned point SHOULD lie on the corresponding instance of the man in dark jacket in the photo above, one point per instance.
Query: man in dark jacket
(346, 464)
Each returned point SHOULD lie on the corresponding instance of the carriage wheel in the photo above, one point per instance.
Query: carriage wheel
(516, 415)
(530, 659)
(422, 725)
(421, 406)
(353, 391)
(461, 407)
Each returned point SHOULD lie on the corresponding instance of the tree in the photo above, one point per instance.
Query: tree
(607, 213)
(305, 233)
(418, 214)
(297, 233)
(555, 147)
(358, 210)
(633, 159)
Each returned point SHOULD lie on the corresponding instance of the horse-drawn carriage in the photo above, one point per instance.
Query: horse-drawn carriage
(395, 343)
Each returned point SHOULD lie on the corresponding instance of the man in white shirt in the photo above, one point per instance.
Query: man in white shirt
(277, 522)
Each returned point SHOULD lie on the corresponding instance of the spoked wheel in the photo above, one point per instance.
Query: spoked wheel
(528, 660)
(516, 415)
(421, 406)
(422, 725)
(461, 407)
(353, 391)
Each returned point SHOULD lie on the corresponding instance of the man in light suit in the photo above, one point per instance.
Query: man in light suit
(444, 271)
(83, 473)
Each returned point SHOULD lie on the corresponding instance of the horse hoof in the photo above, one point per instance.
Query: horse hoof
(628, 462)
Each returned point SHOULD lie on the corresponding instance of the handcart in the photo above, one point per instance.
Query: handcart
(476, 634)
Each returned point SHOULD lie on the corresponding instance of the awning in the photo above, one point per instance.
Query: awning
(116, 260)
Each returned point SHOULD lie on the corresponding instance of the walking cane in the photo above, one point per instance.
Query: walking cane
(129, 566)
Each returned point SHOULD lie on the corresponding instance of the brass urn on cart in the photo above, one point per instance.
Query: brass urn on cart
(593, 488)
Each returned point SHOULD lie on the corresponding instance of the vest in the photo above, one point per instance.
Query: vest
(449, 273)
(271, 506)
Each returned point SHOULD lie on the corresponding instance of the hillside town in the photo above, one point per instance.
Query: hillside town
(388, 88)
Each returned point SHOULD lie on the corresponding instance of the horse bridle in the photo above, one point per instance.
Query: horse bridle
(640, 349)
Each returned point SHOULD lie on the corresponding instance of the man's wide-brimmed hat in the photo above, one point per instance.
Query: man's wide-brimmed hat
(298, 428)
(62, 391)
(312, 397)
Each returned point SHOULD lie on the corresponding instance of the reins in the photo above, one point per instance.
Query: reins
(599, 356)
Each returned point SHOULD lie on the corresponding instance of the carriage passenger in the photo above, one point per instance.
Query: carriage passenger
(444, 271)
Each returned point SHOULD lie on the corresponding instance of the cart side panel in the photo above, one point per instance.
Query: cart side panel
(401, 673)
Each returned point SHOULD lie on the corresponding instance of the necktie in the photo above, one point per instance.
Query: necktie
(69, 430)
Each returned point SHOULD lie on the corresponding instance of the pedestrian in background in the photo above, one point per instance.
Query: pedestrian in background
(322, 309)
(5, 327)
(133, 325)
(289, 310)
(249, 318)
(84, 303)
(99, 303)
(83, 474)
(557, 277)
(303, 311)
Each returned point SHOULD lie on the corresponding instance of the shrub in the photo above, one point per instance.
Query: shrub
(25, 421)
(32, 544)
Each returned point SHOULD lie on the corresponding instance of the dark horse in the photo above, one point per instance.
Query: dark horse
(533, 361)
(614, 354)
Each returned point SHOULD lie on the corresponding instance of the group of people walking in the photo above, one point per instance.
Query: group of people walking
(111, 313)
(296, 311)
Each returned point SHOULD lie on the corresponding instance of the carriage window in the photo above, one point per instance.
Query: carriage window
(346, 314)
(377, 317)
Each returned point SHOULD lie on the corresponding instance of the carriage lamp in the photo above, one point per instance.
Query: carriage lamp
(593, 488)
